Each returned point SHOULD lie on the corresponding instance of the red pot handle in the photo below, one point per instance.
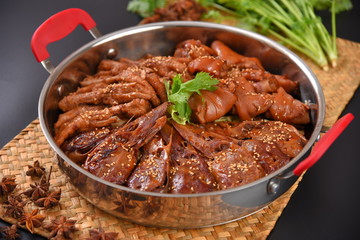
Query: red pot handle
(57, 27)
(323, 144)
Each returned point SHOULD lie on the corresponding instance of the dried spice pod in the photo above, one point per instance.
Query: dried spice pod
(61, 228)
(38, 190)
(100, 234)
(10, 233)
(14, 206)
(32, 220)
(36, 170)
(49, 201)
(7, 185)
(123, 204)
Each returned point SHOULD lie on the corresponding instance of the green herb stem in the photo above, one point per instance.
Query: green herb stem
(224, 9)
(318, 58)
(293, 22)
(303, 40)
(333, 27)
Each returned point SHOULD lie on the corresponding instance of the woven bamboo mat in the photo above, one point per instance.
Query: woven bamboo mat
(30, 145)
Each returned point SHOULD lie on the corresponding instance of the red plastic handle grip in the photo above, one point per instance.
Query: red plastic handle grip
(57, 27)
(324, 143)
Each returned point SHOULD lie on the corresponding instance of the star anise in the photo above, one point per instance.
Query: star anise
(123, 203)
(39, 189)
(10, 233)
(103, 190)
(36, 170)
(100, 234)
(14, 206)
(7, 185)
(32, 220)
(49, 201)
(152, 206)
(61, 228)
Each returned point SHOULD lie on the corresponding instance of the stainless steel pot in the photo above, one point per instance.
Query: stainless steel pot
(160, 209)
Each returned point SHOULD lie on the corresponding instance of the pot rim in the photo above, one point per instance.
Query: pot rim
(155, 26)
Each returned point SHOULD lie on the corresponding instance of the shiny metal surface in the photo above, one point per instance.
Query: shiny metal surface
(47, 64)
(95, 32)
(178, 210)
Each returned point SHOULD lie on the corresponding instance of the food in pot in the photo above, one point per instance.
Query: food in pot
(117, 125)
(185, 10)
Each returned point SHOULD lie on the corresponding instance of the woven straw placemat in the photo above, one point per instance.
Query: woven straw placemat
(30, 145)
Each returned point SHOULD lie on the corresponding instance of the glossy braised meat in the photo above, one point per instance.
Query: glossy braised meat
(107, 69)
(284, 136)
(231, 164)
(85, 118)
(148, 73)
(266, 86)
(250, 104)
(269, 156)
(81, 144)
(147, 78)
(288, 85)
(185, 10)
(166, 66)
(203, 140)
(112, 94)
(233, 58)
(192, 49)
(150, 153)
(212, 65)
(117, 155)
(257, 76)
(235, 167)
(211, 105)
(250, 90)
(157, 82)
(112, 66)
(69, 115)
(289, 110)
(152, 172)
(132, 74)
(258, 97)
(189, 171)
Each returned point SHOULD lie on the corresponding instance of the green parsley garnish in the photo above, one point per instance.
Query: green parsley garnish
(292, 22)
(145, 8)
(179, 93)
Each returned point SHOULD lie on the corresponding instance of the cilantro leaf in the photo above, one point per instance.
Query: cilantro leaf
(292, 22)
(339, 5)
(180, 92)
(145, 8)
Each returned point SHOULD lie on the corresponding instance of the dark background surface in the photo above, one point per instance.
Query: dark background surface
(324, 206)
